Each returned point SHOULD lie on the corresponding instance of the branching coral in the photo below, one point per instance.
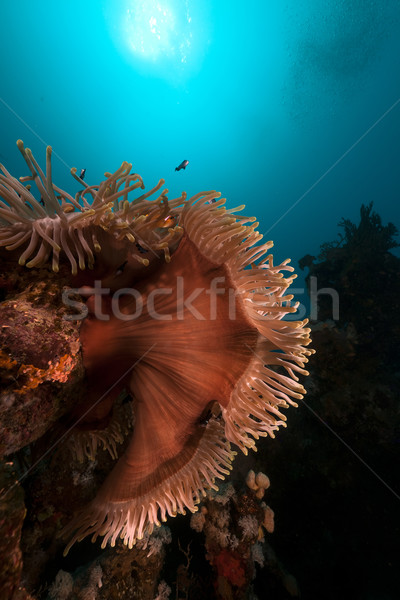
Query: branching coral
(199, 338)
(369, 237)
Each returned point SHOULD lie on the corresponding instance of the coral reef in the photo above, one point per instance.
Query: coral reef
(201, 369)
(338, 502)
(332, 472)
(354, 382)
(41, 368)
(364, 273)
(234, 524)
(12, 513)
(367, 239)
(117, 573)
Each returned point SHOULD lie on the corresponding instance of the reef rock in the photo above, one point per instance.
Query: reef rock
(41, 370)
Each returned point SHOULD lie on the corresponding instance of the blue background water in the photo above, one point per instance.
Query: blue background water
(291, 108)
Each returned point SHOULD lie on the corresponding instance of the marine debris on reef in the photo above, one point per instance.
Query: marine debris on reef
(201, 370)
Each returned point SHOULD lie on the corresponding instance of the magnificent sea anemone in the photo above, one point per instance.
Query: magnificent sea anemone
(184, 311)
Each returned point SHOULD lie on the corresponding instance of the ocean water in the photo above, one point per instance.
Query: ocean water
(292, 109)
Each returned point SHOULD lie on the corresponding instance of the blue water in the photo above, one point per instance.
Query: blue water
(287, 107)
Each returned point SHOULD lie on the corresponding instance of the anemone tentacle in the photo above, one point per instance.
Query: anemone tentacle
(206, 366)
(58, 218)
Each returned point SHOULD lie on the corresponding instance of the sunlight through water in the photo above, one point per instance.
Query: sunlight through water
(164, 38)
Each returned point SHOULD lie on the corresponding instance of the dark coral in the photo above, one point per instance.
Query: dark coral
(338, 502)
(12, 513)
(41, 370)
(365, 274)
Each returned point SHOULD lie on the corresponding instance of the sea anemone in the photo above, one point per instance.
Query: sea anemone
(59, 222)
(198, 338)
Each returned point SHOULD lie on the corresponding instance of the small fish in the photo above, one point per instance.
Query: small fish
(169, 221)
(205, 418)
(141, 249)
(82, 174)
(183, 165)
(207, 415)
(121, 268)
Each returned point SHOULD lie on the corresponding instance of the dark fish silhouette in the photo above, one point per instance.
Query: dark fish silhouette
(204, 420)
(183, 165)
(141, 249)
(121, 268)
(82, 173)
